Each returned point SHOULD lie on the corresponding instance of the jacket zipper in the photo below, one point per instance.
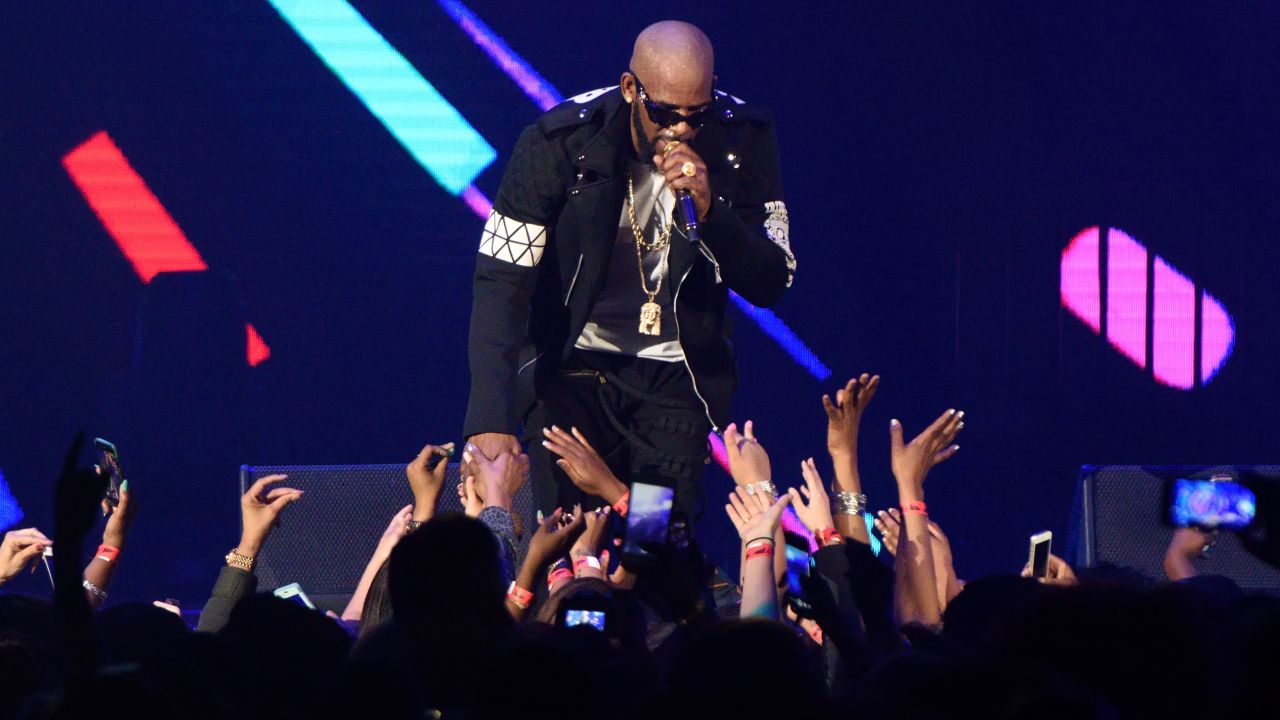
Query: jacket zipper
(706, 252)
(574, 281)
(675, 310)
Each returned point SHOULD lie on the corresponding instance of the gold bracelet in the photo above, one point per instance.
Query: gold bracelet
(244, 562)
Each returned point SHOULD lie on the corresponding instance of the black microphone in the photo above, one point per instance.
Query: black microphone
(688, 215)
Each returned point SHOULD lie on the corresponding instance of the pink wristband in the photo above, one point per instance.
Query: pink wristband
(108, 552)
(915, 506)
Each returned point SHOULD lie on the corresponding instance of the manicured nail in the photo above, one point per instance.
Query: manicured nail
(952, 411)
(960, 414)
(894, 423)
(960, 426)
(540, 517)
(553, 427)
(546, 444)
(124, 486)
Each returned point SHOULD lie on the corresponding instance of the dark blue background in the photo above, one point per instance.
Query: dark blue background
(936, 161)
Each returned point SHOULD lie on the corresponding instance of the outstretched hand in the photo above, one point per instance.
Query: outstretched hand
(583, 464)
(120, 518)
(425, 481)
(816, 513)
(755, 515)
(554, 534)
(497, 479)
(912, 462)
(844, 415)
(260, 510)
(748, 461)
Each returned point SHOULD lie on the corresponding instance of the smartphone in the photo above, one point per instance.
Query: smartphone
(594, 618)
(799, 563)
(648, 519)
(293, 593)
(109, 465)
(1041, 545)
(1217, 503)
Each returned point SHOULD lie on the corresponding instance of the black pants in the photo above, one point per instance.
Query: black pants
(641, 415)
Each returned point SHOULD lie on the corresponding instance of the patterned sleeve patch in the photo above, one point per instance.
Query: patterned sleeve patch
(514, 241)
(778, 227)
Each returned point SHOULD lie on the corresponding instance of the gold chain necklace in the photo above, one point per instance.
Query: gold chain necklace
(650, 312)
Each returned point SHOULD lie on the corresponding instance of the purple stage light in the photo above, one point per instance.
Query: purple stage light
(1173, 297)
(534, 85)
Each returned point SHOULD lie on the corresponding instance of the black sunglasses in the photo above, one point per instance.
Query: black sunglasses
(666, 117)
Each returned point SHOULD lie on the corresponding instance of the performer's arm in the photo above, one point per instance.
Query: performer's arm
(751, 240)
(511, 247)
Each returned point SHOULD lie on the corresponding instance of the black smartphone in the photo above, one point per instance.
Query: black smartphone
(109, 465)
(799, 564)
(648, 520)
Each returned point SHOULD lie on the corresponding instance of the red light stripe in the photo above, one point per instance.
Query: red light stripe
(141, 227)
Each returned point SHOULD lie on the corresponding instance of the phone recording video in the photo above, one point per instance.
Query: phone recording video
(799, 563)
(648, 519)
(109, 465)
(1041, 546)
(1211, 504)
(594, 618)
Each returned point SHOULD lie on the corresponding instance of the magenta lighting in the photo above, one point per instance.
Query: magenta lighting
(1167, 339)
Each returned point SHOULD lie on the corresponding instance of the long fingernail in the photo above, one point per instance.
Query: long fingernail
(894, 423)
(540, 518)
(951, 411)
(124, 486)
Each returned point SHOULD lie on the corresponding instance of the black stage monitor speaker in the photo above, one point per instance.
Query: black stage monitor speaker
(326, 538)
(1119, 518)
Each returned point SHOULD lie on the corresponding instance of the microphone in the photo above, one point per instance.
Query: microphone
(688, 216)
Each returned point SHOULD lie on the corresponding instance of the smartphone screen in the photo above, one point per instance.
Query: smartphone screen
(798, 566)
(648, 518)
(1211, 504)
(594, 618)
(109, 463)
(1041, 544)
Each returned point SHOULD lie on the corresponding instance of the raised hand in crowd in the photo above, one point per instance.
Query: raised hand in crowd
(748, 461)
(585, 553)
(811, 502)
(102, 566)
(583, 464)
(77, 496)
(260, 509)
(889, 523)
(497, 479)
(19, 549)
(550, 541)
(1058, 572)
(427, 481)
(1186, 545)
(756, 517)
(396, 529)
(916, 591)
(844, 417)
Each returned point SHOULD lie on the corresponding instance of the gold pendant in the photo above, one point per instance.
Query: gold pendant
(651, 318)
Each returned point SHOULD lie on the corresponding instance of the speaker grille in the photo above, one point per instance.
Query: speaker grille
(326, 538)
(1121, 522)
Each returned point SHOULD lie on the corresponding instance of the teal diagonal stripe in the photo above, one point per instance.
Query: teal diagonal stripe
(415, 113)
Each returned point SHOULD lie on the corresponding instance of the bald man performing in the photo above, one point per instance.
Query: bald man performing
(592, 308)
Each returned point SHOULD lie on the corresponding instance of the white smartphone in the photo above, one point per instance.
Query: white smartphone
(1041, 545)
(293, 592)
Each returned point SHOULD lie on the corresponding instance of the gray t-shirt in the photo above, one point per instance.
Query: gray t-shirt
(614, 323)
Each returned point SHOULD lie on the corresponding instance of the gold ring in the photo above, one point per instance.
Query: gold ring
(671, 145)
(689, 169)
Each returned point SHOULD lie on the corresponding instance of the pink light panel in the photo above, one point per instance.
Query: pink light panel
(1172, 295)
(135, 219)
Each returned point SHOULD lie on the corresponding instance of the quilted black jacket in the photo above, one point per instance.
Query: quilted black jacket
(545, 251)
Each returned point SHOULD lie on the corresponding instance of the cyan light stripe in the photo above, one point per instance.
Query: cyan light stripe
(415, 113)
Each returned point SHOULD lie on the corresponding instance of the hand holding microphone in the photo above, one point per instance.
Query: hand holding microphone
(686, 175)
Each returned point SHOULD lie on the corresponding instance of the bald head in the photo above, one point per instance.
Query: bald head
(674, 58)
